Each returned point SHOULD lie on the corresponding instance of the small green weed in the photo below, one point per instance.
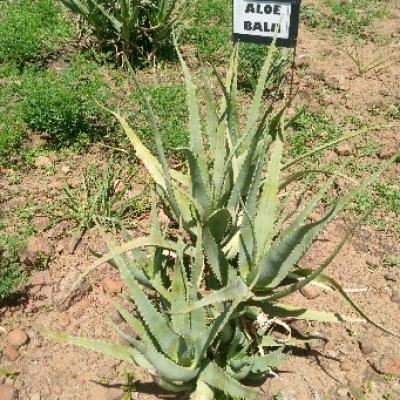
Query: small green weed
(100, 198)
(208, 29)
(353, 17)
(251, 60)
(345, 17)
(12, 277)
(393, 111)
(312, 128)
(31, 28)
(12, 128)
(169, 105)
(66, 104)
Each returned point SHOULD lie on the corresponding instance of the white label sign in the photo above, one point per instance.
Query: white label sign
(262, 18)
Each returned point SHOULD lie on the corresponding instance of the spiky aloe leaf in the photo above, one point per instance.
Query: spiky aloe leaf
(254, 110)
(196, 137)
(306, 273)
(217, 378)
(140, 242)
(179, 298)
(219, 222)
(167, 368)
(287, 251)
(133, 322)
(292, 288)
(77, 6)
(295, 312)
(114, 21)
(261, 364)
(269, 341)
(237, 290)
(199, 186)
(171, 386)
(202, 392)
(168, 340)
(329, 144)
(121, 352)
(215, 256)
(267, 207)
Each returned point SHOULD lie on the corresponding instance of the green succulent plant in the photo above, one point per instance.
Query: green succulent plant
(132, 27)
(207, 292)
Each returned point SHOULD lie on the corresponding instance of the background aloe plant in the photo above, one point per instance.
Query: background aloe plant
(131, 27)
(207, 292)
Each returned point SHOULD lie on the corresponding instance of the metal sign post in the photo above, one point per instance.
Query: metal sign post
(260, 21)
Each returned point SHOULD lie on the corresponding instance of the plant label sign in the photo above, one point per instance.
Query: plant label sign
(261, 21)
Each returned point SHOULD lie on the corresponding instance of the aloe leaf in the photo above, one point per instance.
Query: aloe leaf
(168, 340)
(199, 189)
(256, 103)
(151, 163)
(327, 145)
(217, 378)
(262, 364)
(286, 252)
(168, 369)
(215, 256)
(269, 341)
(202, 392)
(180, 322)
(295, 312)
(141, 242)
(267, 209)
(133, 322)
(121, 352)
(196, 138)
(172, 387)
(248, 243)
(237, 290)
(219, 222)
(327, 280)
(77, 6)
(159, 147)
(114, 21)
(212, 119)
(292, 288)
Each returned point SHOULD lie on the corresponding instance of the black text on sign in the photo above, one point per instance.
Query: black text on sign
(261, 21)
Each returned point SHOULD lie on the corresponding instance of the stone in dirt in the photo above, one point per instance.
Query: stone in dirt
(396, 298)
(106, 372)
(43, 162)
(106, 393)
(10, 353)
(366, 346)
(40, 222)
(38, 249)
(389, 365)
(386, 152)
(372, 261)
(17, 338)
(391, 276)
(342, 393)
(343, 149)
(310, 292)
(7, 392)
(41, 278)
(346, 365)
(112, 286)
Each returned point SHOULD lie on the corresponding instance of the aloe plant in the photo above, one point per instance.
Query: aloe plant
(208, 293)
(131, 27)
